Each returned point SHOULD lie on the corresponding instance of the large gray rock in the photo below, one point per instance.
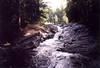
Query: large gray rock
(77, 39)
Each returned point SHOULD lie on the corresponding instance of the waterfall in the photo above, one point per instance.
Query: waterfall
(58, 33)
(53, 42)
(49, 57)
(56, 59)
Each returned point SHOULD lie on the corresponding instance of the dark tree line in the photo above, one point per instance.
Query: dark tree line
(29, 11)
(16, 14)
(8, 20)
(85, 12)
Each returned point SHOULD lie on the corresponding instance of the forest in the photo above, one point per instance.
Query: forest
(35, 34)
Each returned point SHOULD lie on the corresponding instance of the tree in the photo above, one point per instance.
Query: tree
(16, 14)
(30, 11)
(85, 12)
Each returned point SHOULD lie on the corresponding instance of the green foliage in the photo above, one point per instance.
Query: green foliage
(85, 12)
(82, 10)
(30, 11)
(16, 14)
(56, 17)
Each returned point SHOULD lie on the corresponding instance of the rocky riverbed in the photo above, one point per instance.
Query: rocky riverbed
(49, 53)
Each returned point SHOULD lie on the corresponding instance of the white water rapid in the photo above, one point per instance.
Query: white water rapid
(56, 59)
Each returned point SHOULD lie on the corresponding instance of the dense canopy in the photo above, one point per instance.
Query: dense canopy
(16, 14)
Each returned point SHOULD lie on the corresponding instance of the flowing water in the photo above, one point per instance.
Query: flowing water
(49, 54)
(56, 59)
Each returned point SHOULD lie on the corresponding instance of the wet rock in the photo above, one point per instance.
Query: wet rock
(69, 48)
(75, 42)
(77, 39)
